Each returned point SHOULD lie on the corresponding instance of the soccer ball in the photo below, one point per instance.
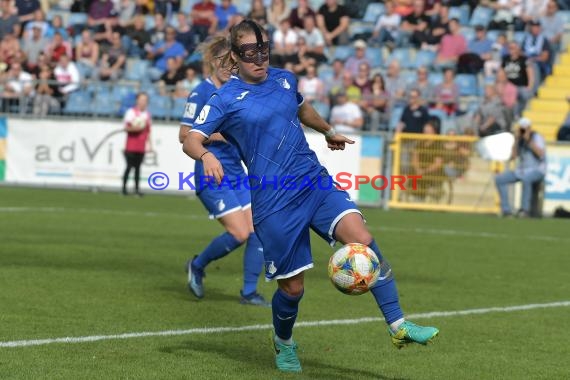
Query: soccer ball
(139, 123)
(354, 268)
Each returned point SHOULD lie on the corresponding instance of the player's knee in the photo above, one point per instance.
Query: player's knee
(240, 234)
(362, 237)
(293, 287)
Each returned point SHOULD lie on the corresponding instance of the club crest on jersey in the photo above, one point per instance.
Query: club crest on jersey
(220, 205)
(271, 268)
(283, 82)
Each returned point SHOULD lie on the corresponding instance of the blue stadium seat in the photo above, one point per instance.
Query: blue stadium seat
(373, 11)
(127, 102)
(468, 33)
(395, 116)
(77, 19)
(105, 105)
(160, 107)
(78, 102)
(518, 37)
(467, 84)
(461, 13)
(481, 16)
(322, 109)
(435, 78)
(493, 34)
(137, 69)
(325, 72)
(178, 106)
(402, 55)
(425, 58)
(149, 22)
(374, 55)
(343, 52)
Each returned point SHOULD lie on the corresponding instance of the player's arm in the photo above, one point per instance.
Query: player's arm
(311, 118)
(194, 147)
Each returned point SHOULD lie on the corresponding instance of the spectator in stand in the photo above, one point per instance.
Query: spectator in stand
(533, 9)
(40, 22)
(67, 77)
(335, 82)
(520, 73)
(446, 94)
(168, 80)
(190, 81)
(19, 86)
(139, 37)
(348, 87)
(225, 11)
(404, 7)
(333, 20)
(167, 7)
(452, 45)
(44, 101)
(507, 13)
(362, 78)
(506, 91)
(537, 49)
(346, 116)
(113, 60)
(432, 8)
(284, 48)
(491, 117)
(439, 27)
(127, 11)
(353, 62)
(375, 104)
(414, 26)
(101, 19)
(56, 48)
(499, 52)
(258, 12)
(9, 49)
(314, 40)
(169, 48)
(423, 85)
(395, 84)
(415, 115)
(301, 60)
(312, 87)
(33, 47)
(479, 50)
(26, 10)
(299, 14)
(204, 21)
(9, 21)
(184, 33)
(553, 26)
(386, 29)
(277, 12)
(56, 26)
(87, 54)
(158, 31)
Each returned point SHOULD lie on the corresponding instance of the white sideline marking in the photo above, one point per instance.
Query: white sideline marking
(427, 231)
(218, 330)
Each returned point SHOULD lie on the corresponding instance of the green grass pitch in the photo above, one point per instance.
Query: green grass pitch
(78, 264)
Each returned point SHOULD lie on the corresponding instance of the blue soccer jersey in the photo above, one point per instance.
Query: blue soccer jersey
(227, 154)
(261, 120)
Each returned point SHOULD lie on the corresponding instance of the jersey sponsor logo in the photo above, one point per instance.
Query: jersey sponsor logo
(220, 205)
(190, 110)
(203, 115)
(242, 95)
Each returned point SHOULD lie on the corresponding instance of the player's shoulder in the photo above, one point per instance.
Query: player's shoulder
(205, 88)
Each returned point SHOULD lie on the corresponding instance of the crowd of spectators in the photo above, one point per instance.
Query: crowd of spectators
(509, 53)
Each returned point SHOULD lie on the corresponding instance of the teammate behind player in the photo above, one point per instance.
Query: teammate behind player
(230, 206)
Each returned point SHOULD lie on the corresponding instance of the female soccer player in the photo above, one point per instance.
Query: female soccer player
(137, 121)
(231, 205)
(260, 111)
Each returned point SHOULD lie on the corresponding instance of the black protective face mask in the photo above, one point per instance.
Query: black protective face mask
(257, 52)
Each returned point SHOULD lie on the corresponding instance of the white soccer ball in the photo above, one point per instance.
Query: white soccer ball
(139, 123)
(354, 268)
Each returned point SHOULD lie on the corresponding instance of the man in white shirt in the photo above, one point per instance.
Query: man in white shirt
(314, 39)
(387, 26)
(67, 75)
(346, 116)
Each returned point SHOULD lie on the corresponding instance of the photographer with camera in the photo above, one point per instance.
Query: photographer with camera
(530, 149)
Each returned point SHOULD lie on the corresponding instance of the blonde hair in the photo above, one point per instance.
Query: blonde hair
(215, 47)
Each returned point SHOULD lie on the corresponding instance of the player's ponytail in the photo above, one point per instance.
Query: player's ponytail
(213, 49)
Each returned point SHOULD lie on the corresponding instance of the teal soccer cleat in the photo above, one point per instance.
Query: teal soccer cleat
(409, 332)
(195, 276)
(286, 358)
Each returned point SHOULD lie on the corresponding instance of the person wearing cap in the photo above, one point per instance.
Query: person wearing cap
(537, 48)
(354, 61)
(530, 150)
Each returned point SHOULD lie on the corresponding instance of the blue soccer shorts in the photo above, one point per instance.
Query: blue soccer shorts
(221, 201)
(285, 234)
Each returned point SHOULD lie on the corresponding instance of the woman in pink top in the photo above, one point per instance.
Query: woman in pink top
(506, 90)
(137, 123)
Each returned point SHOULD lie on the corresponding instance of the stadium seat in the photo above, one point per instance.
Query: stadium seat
(105, 105)
(493, 34)
(178, 106)
(374, 55)
(127, 102)
(120, 91)
(468, 33)
(518, 37)
(372, 13)
(149, 22)
(481, 16)
(322, 109)
(160, 107)
(395, 116)
(435, 78)
(77, 19)
(137, 69)
(343, 52)
(403, 56)
(424, 58)
(461, 13)
(550, 93)
(325, 73)
(78, 103)
(468, 84)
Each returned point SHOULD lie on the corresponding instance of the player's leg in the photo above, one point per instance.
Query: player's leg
(138, 159)
(502, 181)
(286, 240)
(339, 219)
(252, 265)
(129, 160)
(223, 205)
